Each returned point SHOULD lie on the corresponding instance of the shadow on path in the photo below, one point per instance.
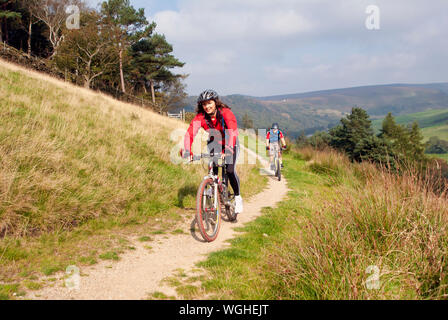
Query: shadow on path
(194, 230)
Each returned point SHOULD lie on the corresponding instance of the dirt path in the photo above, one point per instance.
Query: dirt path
(140, 272)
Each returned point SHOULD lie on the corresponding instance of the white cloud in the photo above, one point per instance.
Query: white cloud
(353, 70)
(272, 47)
(212, 24)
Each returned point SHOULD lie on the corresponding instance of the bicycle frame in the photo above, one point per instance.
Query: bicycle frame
(277, 154)
(222, 186)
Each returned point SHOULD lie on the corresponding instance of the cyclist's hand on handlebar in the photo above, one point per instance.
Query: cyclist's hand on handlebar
(268, 148)
(185, 154)
(284, 147)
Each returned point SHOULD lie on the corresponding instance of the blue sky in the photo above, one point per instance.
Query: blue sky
(265, 47)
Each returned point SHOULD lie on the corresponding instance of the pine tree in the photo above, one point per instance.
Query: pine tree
(389, 127)
(354, 128)
(28, 20)
(417, 151)
(247, 121)
(373, 148)
(151, 62)
(127, 25)
(398, 137)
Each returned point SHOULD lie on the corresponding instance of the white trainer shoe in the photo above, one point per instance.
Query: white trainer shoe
(238, 204)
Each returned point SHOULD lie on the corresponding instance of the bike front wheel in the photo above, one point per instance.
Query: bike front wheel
(208, 207)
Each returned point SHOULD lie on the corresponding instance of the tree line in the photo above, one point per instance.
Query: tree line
(115, 49)
(396, 146)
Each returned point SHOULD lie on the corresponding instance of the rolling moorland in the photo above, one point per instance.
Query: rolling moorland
(321, 110)
(434, 123)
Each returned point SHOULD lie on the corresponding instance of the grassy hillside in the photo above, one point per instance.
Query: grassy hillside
(433, 122)
(347, 231)
(430, 118)
(440, 131)
(68, 157)
(80, 173)
(443, 156)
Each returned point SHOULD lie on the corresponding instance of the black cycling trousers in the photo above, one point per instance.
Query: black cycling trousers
(231, 169)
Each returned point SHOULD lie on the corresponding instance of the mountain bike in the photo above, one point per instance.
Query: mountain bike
(212, 199)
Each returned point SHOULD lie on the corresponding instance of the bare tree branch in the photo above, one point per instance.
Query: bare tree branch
(52, 13)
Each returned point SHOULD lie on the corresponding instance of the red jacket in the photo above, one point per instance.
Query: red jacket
(200, 122)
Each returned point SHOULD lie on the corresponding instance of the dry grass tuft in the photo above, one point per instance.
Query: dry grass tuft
(395, 224)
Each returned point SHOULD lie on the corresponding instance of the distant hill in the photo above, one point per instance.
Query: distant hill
(321, 110)
(360, 92)
(432, 122)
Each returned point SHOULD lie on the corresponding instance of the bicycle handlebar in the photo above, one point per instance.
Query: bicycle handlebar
(202, 156)
(207, 156)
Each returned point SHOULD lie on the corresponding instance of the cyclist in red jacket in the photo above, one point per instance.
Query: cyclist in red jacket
(219, 121)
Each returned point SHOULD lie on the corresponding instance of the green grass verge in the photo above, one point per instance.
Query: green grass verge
(255, 143)
(333, 234)
(238, 273)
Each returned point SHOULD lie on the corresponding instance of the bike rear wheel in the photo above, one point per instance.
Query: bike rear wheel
(230, 207)
(208, 215)
(279, 170)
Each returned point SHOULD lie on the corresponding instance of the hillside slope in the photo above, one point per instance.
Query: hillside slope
(68, 155)
(79, 170)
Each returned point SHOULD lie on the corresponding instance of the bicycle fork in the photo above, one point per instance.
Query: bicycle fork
(212, 195)
(215, 185)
